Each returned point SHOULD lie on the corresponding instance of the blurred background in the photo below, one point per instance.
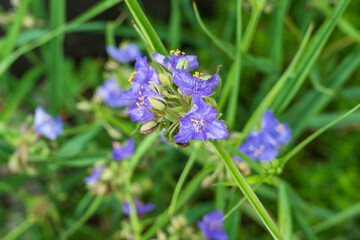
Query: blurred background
(60, 73)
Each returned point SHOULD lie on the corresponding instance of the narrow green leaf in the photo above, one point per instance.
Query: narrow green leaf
(300, 146)
(97, 9)
(77, 143)
(25, 86)
(174, 31)
(146, 27)
(285, 219)
(225, 47)
(182, 179)
(248, 192)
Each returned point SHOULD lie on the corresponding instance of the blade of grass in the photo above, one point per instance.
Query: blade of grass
(26, 85)
(225, 47)
(186, 194)
(81, 221)
(55, 57)
(20, 229)
(335, 220)
(308, 60)
(146, 27)
(11, 37)
(284, 212)
(304, 225)
(97, 9)
(182, 179)
(235, 81)
(268, 100)
(300, 146)
(174, 29)
(248, 192)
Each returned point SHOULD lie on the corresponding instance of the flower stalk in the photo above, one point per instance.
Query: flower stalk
(248, 192)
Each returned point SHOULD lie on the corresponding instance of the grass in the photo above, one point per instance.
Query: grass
(305, 69)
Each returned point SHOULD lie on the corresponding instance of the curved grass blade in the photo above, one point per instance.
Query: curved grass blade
(182, 179)
(296, 149)
(308, 60)
(271, 96)
(97, 9)
(146, 27)
(225, 47)
(284, 212)
(248, 192)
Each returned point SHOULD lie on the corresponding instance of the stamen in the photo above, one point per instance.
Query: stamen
(138, 104)
(116, 144)
(280, 127)
(171, 52)
(183, 53)
(130, 80)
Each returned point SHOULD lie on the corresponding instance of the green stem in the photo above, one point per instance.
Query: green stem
(248, 192)
(18, 231)
(182, 178)
(81, 221)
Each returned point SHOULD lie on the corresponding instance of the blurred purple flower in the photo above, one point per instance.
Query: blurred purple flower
(194, 84)
(279, 132)
(121, 152)
(174, 58)
(200, 123)
(144, 74)
(113, 95)
(258, 147)
(211, 226)
(139, 110)
(95, 174)
(139, 206)
(47, 125)
(126, 53)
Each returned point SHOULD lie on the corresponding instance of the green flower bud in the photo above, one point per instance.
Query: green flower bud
(165, 79)
(206, 77)
(149, 127)
(182, 64)
(158, 103)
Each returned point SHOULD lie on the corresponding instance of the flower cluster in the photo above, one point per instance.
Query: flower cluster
(263, 145)
(211, 226)
(174, 100)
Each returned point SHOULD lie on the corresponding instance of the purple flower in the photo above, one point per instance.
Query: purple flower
(139, 206)
(126, 53)
(279, 132)
(200, 123)
(95, 174)
(144, 73)
(211, 226)
(47, 125)
(139, 110)
(113, 95)
(174, 58)
(194, 84)
(121, 152)
(258, 146)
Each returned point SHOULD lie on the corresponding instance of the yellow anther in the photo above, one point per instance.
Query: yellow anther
(193, 120)
(141, 103)
(202, 123)
(197, 129)
(138, 104)
(130, 80)
(196, 74)
(140, 93)
(171, 52)
(194, 124)
(280, 127)
(116, 144)
(139, 109)
(183, 53)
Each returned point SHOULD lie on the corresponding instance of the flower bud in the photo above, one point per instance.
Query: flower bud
(157, 103)
(165, 79)
(206, 77)
(149, 127)
(182, 64)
